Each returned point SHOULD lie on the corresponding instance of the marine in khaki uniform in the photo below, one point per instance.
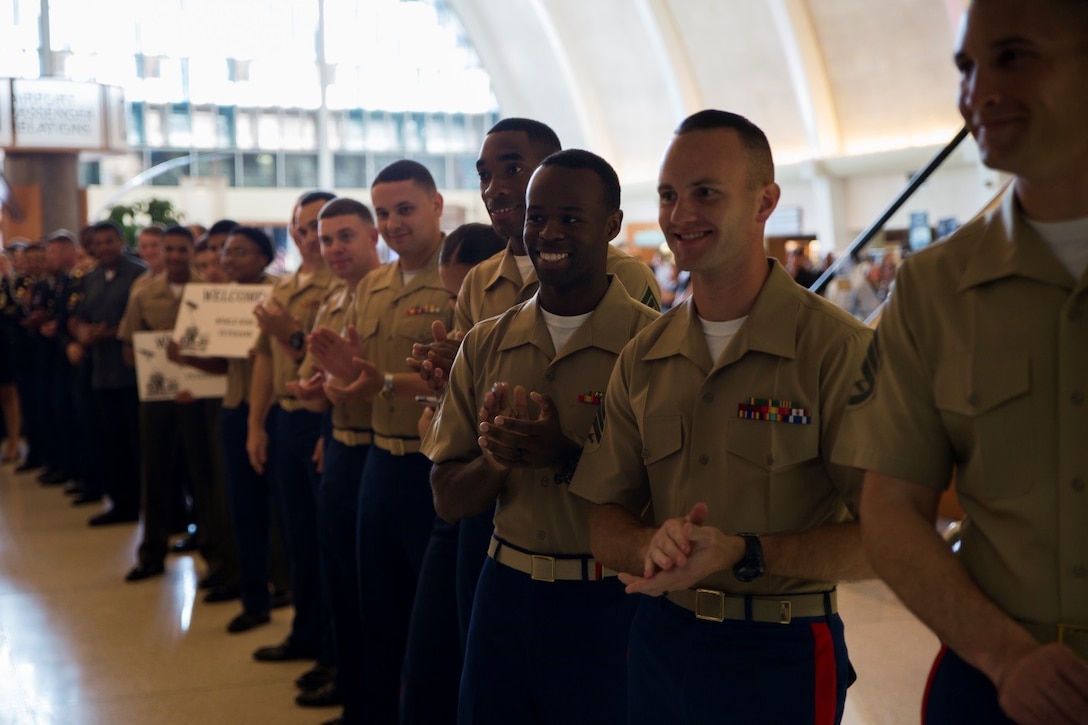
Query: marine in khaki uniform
(349, 247)
(395, 307)
(980, 369)
(288, 449)
(542, 592)
(712, 470)
(177, 435)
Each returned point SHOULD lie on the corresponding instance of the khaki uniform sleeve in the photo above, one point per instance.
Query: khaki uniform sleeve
(638, 279)
(452, 435)
(462, 314)
(611, 468)
(130, 321)
(892, 426)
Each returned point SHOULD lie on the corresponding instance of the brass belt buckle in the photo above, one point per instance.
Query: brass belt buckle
(709, 605)
(785, 611)
(543, 568)
(1071, 629)
(396, 446)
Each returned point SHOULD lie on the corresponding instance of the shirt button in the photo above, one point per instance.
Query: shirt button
(543, 482)
(708, 397)
(704, 459)
(972, 399)
(1077, 398)
(1078, 484)
(549, 376)
(541, 535)
(1079, 571)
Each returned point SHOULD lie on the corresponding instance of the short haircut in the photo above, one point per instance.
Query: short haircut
(751, 137)
(109, 226)
(223, 226)
(202, 245)
(581, 159)
(155, 229)
(540, 134)
(311, 196)
(34, 247)
(179, 231)
(343, 206)
(470, 244)
(61, 236)
(406, 170)
(258, 237)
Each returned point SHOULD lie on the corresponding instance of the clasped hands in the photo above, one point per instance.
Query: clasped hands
(510, 438)
(683, 552)
(346, 374)
(433, 360)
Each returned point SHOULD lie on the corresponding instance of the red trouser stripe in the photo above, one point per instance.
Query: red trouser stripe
(929, 681)
(826, 702)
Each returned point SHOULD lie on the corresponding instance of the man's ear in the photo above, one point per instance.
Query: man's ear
(768, 201)
(612, 226)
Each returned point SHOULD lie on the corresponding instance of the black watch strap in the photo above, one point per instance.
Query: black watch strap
(751, 566)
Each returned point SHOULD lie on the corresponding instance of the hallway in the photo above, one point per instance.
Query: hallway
(78, 646)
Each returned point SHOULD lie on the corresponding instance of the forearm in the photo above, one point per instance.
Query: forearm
(909, 554)
(409, 385)
(462, 489)
(828, 553)
(618, 539)
(260, 391)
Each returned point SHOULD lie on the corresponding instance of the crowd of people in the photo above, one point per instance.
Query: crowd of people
(507, 489)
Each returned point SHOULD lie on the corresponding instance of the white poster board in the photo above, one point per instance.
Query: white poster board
(216, 320)
(159, 379)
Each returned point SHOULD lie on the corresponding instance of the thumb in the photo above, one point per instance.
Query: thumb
(547, 407)
(438, 331)
(697, 515)
(353, 335)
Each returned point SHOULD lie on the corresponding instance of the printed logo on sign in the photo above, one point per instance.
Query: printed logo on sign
(158, 384)
(192, 340)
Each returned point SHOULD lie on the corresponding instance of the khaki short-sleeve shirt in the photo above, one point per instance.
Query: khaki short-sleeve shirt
(390, 316)
(750, 434)
(152, 306)
(301, 300)
(240, 370)
(980, 366)
(350, 421)
(495, 285)
(535, 511)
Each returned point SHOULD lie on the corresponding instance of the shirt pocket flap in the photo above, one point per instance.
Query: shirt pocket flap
(975, 384)
(367, 328)
(662, 436)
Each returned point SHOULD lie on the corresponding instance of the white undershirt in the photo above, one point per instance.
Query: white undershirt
(407, 275)
(562, 328)
(110, 274)
(1068, 240)
(175, 289)
(304, 279)
(525, 266)
(718, 334)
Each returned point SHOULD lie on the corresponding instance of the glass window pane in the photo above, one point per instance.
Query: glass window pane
(259, 170)
(349, 171)
(300, 170)
(170, 177)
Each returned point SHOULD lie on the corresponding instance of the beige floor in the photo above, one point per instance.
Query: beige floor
(79, 646)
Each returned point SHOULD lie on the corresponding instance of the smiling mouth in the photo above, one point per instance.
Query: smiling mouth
(502, 211)
(693, 236)
(553, 256)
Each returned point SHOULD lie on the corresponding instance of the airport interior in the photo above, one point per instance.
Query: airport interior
(224, 109)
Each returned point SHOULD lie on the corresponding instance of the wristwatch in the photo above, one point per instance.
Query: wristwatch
(750, 567)
(297, 340)
(386, 392)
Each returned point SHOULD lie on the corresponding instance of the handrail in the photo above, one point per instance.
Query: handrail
(873, 229)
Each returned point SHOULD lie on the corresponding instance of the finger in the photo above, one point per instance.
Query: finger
(353, 336)
(520, 402)
(697, 515)
(438, 331)
(547, 407)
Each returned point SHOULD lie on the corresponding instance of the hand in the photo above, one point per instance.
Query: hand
(1049, 684)
(173, 353)
(275, 321)
(424, 423)
(496, 403)
(75, 352)
(309, 388)
(49, 329)
(334, 353)
(257, 447)
(184, 397)
(318, 457)
(519, 441)
(363, 386)
(436, 357)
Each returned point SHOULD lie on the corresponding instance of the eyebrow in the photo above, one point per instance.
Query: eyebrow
(510, 156)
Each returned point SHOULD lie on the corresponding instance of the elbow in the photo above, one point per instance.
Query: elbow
(444, 502)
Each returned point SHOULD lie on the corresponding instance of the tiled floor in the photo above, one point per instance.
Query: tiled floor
(79, 646)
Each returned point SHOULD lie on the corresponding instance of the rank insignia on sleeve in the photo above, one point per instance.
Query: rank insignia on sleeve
(775, 411)
(592, 397)
(417, 310)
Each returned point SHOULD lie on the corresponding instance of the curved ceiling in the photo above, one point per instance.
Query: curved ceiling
(826, 79)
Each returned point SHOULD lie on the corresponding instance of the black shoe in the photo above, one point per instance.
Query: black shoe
(325, 696)
(53, 476)
(284, 652)
(184, 545)
(28, 465)
(281, 600)
(113, 516)
(86, 498)
(74, 488)
(247, 621)
(144, 571)
(314, 678)
(221, 594)
(211, 581)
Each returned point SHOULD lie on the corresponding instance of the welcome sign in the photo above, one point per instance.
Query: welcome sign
(158, 378)
(216, 320)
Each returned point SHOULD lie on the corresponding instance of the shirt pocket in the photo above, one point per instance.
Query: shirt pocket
(663, 438)
(986, 407)
(780, 477)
